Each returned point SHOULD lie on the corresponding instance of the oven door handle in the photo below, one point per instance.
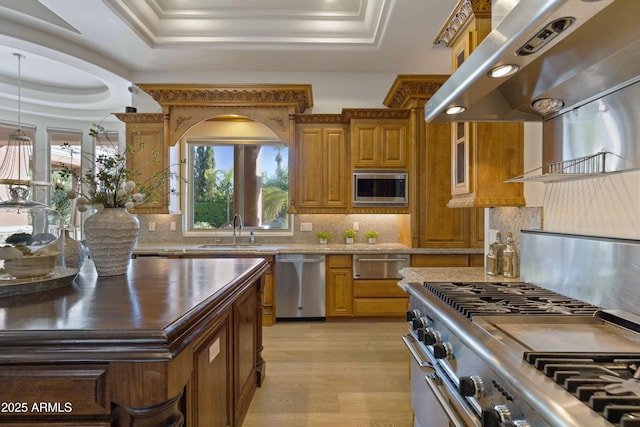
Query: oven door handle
(409, 341)
(454, 419)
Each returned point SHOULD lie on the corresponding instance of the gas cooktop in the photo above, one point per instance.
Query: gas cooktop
(473, 299)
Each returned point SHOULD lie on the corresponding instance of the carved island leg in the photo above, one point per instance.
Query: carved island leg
(166, 414)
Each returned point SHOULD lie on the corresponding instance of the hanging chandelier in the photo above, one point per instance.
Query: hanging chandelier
(14, 169)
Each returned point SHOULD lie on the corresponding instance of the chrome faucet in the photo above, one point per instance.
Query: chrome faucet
(237, 225)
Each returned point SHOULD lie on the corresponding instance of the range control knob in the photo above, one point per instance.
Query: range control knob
(419, 322)
(516, 423)
(496, 416)
(411, 314)
(431, 336)
(471, 386)
(442, 350)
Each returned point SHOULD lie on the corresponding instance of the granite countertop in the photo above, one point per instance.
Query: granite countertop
(451, 274)
(262, 249)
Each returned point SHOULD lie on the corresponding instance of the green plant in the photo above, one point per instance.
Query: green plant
(323, 235)
(349, 234)
(371, 234)
(111, 183)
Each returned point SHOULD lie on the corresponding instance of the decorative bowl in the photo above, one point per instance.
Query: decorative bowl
(31, 266)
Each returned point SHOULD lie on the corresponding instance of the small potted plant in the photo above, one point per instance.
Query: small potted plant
(372, 235)
(349, 236)
(323, 237)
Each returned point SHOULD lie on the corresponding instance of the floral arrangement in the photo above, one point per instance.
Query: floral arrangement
(111, 183)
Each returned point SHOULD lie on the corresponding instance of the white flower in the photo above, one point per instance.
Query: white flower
(129, 186)
(71, 194)
(121, 192)
(82, 200)
(129, 205)
(138, 197)
(82, 207)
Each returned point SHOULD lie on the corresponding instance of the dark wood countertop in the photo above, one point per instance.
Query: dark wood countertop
(145, 315)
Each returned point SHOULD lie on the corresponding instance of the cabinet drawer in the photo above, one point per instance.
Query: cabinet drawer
(36, 391)
(377, 288)
(380, 306)
(445, 260)
(339, 261)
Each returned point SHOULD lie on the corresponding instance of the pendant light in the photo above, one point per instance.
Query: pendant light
(14, 170)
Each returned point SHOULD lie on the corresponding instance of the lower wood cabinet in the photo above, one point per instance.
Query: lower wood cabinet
(212, 383)
(379, 298)
(339, 292)
(348, 297)
(447, 260)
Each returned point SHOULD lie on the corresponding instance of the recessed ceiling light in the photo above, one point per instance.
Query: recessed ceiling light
(547, 105)
(503, 70)
(456, 109)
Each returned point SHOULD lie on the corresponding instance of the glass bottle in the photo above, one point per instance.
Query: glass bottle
(498, 249)
(491, 264)
(511, 261)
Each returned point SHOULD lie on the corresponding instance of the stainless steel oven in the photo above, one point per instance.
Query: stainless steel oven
(380, 188)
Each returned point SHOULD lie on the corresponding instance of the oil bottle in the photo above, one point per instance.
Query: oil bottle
(510, 257)
(498, 250)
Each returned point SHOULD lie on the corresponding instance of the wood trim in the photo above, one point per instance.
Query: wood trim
(464, 12)
(413, 90)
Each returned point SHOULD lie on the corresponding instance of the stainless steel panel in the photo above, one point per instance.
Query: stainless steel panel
(600, 271)
(611, 123)
(379, 266)
(300, 286)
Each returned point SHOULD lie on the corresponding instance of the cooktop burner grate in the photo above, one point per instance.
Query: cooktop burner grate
(472, 299)
(608, 383)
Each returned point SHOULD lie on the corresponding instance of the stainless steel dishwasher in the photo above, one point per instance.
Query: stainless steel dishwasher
(300, 287)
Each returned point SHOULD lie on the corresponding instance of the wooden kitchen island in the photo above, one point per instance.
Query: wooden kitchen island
(174, 342)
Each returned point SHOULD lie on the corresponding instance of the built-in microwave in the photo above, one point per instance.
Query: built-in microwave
(380, 188)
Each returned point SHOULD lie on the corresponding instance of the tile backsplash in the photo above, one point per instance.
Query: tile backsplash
(387, 225)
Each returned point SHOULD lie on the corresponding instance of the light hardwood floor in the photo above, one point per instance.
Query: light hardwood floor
(333, 374)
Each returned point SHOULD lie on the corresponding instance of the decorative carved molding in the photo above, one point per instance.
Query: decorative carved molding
(375, 113)
(140, 117)
(413, 89)
(320, 118)
(465, 11)
(298, 96)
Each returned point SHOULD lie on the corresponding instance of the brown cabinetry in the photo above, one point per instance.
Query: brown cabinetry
(378, 298)
(483, 155)
(145, 135)
(212, 376)
(339, 285)
(379, 144)
(447, 260)
(323, 182)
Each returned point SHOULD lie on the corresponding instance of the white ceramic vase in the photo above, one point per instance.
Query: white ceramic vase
(111, 234)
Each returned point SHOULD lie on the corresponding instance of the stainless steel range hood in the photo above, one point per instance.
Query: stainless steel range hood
(596, 54)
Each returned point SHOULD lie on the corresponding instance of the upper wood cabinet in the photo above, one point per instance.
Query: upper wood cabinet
(483, 155)
(322, 174)
(146, 132)
(379, 144)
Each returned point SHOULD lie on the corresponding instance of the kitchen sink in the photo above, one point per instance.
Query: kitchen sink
(229, 246)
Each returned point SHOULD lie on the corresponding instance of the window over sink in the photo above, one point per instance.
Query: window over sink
(235, 169)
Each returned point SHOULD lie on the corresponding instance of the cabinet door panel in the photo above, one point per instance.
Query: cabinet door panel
(213, 377)
(245, 345)
(339, 292)
(394, 146)
(311, 168)
(364, 146)
(335, 182)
